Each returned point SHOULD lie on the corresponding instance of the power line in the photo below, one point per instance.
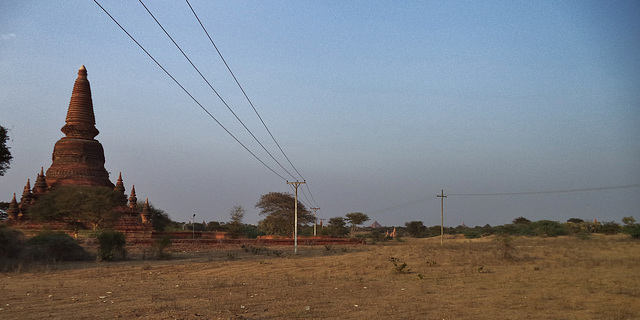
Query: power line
(241, 88)
(249, 100)
(214, 90)
(547, 192)
(400, 206)
(414, 202)
(186, 91)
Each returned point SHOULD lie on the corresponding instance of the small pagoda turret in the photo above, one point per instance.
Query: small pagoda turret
(133, 201)
(25, 200)
(145, 215)
(120, 185)
(40, 187)
(13, 211)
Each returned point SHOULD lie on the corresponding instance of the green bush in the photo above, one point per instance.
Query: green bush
(11, 246)
(471, 234)
(515, 230)
(53, 246)
(159, 247)
(610, 228)
(11, 243)
(549, 228)
(631, 227)
(111, 245)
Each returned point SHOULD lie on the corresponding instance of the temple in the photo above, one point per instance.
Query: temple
(78, 159)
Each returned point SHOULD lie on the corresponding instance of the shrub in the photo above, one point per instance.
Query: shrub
(631, 227)
(549, 228)
(111, 245)
(471, 234)
(54, 246)
(11, 243)
(515, 230)
(160, 245)
(610, 228)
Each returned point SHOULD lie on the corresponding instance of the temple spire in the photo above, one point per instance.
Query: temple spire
(13, 209)
(26, 193)
(133, 201)
(145, 214)
(81, 121)
(40, 187)
(78, 158)
(119, 184)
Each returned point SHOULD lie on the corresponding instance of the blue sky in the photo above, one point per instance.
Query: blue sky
(378, 104)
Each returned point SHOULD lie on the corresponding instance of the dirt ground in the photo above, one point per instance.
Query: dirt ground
(488, 278)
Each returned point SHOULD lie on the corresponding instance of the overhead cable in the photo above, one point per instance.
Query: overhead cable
(247, 97)
(186, 91)
(547, 192)
(214, 90)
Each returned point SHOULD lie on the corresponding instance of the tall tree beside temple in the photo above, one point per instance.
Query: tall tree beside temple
(5, 154)
(279, 211)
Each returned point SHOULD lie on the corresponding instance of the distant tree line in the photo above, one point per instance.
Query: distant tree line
(524, 227)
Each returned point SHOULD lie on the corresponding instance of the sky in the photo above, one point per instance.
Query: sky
(379, 105)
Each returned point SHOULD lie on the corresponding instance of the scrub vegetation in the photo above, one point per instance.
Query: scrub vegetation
(492, 277)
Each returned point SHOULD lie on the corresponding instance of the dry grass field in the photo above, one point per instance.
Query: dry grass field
(488, 278)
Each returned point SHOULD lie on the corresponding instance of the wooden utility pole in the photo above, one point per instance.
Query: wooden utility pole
(315, 220)
(295, 229)
(441, 196)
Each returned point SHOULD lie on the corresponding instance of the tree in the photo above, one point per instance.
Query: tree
(337, 226)
(521, 221)
(356, 219)
(3, 210)
(160, 220)
(94, 205)
(235, 224)
(631, 227)
(575, 220)
(5, 154)
(416, 229)
(279, 211)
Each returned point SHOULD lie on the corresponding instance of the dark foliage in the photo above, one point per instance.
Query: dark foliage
(278, 209)
(416, 229)
(610, 228)
(93, 205)
(111, 245)
(5, 154)
(11, 243)
(54, 246)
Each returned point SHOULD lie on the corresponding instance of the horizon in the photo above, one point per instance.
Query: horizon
(514, 109)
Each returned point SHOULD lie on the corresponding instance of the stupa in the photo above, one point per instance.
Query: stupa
(78, 158)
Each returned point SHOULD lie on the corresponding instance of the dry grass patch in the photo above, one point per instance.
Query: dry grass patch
(489, 278)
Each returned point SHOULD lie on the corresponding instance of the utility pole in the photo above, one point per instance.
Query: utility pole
(295, 229)
(193, 225)
(315, 220)
(441, 196)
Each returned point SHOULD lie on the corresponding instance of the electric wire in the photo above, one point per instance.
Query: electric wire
(242, 89)
(249, 100)
(547, 192)
(414, 202)
(214, 90)
(186, 91)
